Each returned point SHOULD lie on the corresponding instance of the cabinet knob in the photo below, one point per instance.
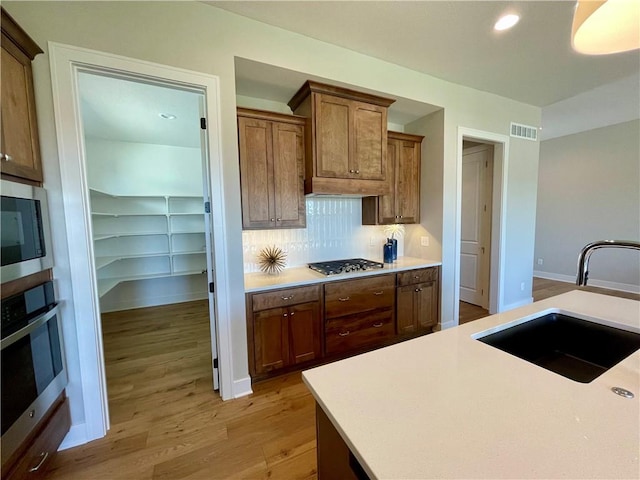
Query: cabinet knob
(272, 219)
(351, 170)
(417, 290)
(344, 299)
(286, 314)
(287, 298)
(377, 325)
(278, 219)
(344, 334)
(5, 158)
(357, 171)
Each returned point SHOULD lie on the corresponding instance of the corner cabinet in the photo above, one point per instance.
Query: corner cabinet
(142, 237)
(284, 329)
(346, 141)
(271, 169)
(20, 156)
(402, 205)
(418, 294)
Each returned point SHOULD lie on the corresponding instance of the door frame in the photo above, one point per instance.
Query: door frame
(498, 218)
(65, 63)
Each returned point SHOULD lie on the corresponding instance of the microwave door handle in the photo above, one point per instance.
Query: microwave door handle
(24, 331)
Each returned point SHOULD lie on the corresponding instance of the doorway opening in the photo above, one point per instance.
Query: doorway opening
(480, 238)
(475, 231)
(147, 172)
(87, 366)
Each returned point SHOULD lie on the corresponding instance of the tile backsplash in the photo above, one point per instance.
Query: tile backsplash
(334, 231)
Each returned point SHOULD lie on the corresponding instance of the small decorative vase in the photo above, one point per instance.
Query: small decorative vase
(394, 247)
(387, 252)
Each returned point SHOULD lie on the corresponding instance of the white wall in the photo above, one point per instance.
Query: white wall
(588, 190)
(201, 38)
(128, 168)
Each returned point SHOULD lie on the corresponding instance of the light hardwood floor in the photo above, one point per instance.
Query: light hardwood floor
(167, 423)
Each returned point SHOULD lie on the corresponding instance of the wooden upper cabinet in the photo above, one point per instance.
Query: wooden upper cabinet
(402, 205)
(20, 149)
(271, 169)
(346, 141)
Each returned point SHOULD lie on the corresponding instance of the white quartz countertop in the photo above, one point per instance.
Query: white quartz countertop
(299, 276)
(448, 406)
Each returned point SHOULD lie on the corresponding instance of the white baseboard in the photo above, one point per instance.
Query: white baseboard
(520, 303)
(151, 302)
(622, 287)
(242, 387)
(77, 435)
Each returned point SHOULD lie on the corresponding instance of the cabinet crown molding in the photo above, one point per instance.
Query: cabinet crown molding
(23, 41)
(311, 86)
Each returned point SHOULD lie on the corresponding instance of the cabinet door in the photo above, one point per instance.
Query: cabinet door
(332, 123)
(407, 182)
(369, 155)
(256, 173)
(427, 305)
(288, 164)
(271, 341)
(387, 203)
(405, 312)
(304, 332)
(19, 129)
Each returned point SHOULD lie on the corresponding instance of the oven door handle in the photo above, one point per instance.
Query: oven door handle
(24, 331)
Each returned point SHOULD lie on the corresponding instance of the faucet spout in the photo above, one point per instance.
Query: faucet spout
(587, 250)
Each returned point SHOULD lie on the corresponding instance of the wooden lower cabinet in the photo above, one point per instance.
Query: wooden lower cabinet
(417, 301)
(285, 335)
(300, 327)
(35, 457)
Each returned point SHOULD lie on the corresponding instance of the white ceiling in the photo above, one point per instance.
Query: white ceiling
(452, 40)
(455, 41)
(129, 111)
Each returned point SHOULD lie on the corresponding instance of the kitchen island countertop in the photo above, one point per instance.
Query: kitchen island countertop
(298, 276)
(448, 406)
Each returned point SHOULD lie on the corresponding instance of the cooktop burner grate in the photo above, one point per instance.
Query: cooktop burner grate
(334, 267)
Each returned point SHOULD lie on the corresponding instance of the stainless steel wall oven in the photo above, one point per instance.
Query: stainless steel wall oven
(33, 366)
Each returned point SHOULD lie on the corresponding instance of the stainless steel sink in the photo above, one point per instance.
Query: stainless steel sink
(574, 348)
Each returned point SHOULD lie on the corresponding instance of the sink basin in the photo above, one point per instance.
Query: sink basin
(574, 348)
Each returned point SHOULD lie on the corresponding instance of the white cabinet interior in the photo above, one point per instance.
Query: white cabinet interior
(143, 237)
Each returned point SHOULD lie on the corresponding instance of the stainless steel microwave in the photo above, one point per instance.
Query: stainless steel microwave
(25, 235)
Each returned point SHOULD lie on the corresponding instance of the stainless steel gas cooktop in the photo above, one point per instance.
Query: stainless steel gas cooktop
(334, 267)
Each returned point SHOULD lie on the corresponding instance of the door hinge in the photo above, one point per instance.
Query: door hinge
(211, 288)
(207, 207)
(215, 363)
(203, 123)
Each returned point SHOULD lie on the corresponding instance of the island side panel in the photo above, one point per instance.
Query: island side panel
(333, 453)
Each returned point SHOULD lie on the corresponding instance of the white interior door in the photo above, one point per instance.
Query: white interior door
(476, 225)
(208, 233)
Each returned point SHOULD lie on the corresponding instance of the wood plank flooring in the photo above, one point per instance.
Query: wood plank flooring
(167, 423)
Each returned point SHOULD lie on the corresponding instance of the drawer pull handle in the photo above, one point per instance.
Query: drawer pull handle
(290, 297)
(379, 293)
(344, 334)
(44, 456)
(378, 325)
(344, 299)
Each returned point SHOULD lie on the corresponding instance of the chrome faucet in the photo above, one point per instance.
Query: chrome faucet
(587, 250)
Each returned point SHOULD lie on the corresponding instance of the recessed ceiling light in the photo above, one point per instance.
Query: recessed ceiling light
(168, 116)
(506, 22)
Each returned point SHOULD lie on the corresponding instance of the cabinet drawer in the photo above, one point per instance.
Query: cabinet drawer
(417, 276)
(285, 297)
(355, 331)
(355, 296)
(35, 460)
